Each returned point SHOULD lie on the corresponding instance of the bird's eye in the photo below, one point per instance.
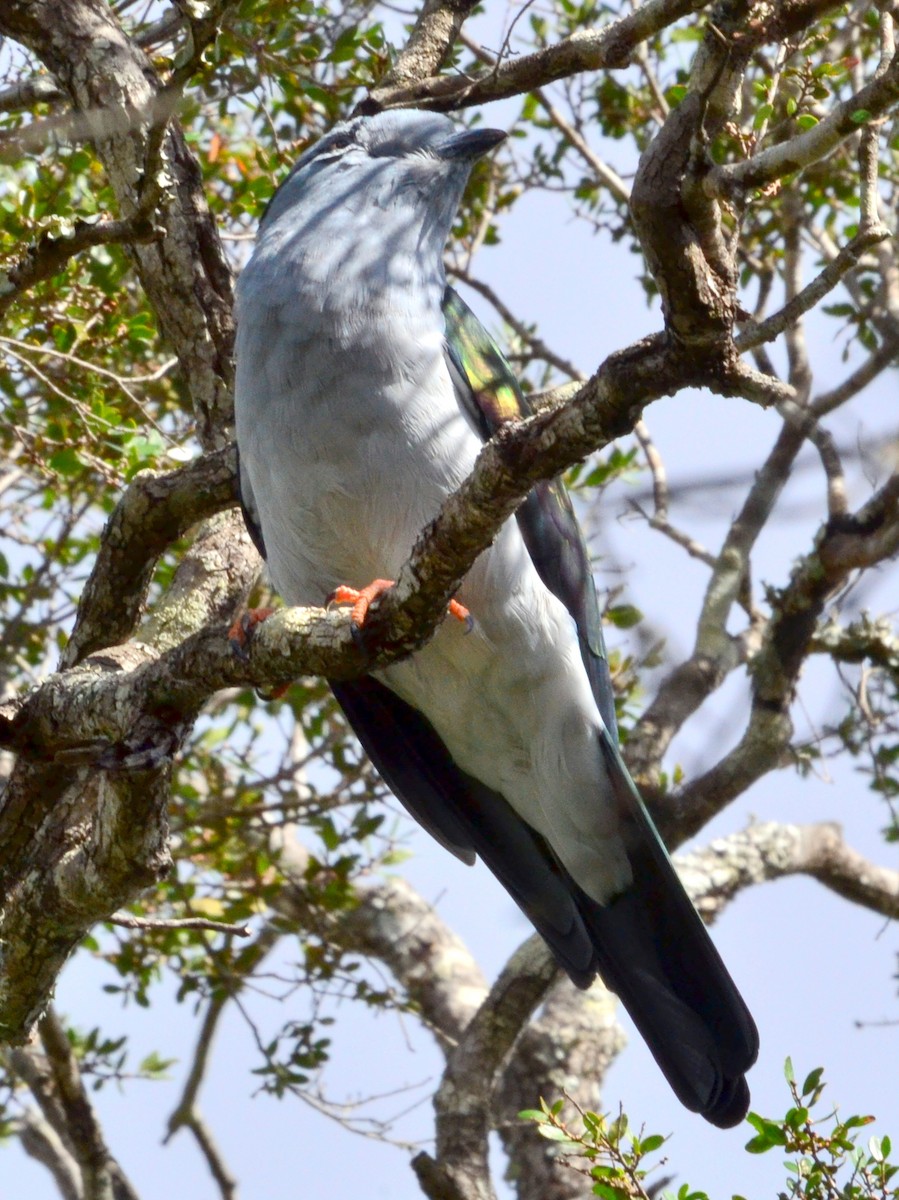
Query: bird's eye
(337, 144)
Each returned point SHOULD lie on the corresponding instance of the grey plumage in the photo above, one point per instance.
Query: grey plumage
(364, 388)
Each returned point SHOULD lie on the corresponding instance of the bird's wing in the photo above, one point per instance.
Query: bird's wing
(467, 817)
(489, 395)
(649, 943)
(248, 508)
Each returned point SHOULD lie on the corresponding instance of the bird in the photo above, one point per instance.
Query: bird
(365, 388)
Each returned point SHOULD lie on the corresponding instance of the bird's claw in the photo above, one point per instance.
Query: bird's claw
(239, 636)
(363, 598)
(461, 613)
(241, 631)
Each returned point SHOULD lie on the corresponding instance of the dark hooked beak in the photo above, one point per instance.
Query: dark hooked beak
(471, 143)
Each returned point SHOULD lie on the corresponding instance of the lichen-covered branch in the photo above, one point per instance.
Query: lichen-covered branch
(184, 273)
(155, 511)
(762, 853)
(432, 38)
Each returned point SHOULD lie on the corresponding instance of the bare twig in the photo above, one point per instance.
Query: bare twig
(812, 294)
(659, 519)
(161, 924)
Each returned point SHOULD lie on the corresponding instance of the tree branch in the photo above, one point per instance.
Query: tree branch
(772, 851)
(586, 50)
(42, 1143)
(155, 511)
(102, 1177)
(49, 254)
(433, 36)
(185, 274)
(463, 1102)
(732, 181)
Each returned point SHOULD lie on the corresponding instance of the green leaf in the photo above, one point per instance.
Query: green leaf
(758, 1145)
(861, 116)
(552, 1133)
(624, 616)
(65, 462)
(653, 1142)
(812, 1081)
(609, 1192)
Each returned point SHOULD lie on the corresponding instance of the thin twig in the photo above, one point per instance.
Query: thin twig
(538, 347)
(162, 924)
(659, 519)
(766, 331)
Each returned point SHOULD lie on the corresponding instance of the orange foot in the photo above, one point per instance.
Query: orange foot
(363, 599)
(242, 630)
(239, 636)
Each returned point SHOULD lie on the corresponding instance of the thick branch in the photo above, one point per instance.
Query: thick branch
(394, 924)
(42, 1143)
(432, 38)
(586, 50)
(679, 226)
(83, 830)
(463, 1102)
(155, 511)
(773, 851)
(103, 1178)
(185, 274)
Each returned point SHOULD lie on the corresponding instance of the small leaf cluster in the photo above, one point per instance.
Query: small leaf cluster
(825, 1159)
(603, 1149)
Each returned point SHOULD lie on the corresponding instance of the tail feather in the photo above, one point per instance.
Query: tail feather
(648, 944)
(653, 950)
(679, 994)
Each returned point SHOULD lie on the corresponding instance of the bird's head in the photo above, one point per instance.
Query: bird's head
(411, 163)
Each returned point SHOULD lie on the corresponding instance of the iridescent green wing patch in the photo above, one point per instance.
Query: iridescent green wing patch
(490, 395)
(495, 396)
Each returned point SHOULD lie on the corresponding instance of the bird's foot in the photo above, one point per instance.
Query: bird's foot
(461, 613)
(239, 636)
(362, 600)
(241, 631)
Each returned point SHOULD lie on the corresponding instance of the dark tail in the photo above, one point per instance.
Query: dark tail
(653, 950)
(648, 944)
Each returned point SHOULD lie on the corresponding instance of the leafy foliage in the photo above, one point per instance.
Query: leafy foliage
(827, 1161)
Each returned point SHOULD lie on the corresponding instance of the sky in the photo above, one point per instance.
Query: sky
(811, 966)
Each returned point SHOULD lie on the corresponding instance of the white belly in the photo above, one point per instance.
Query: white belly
(343, 488)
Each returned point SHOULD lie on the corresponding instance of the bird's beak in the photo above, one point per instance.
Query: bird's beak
(471, 144)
